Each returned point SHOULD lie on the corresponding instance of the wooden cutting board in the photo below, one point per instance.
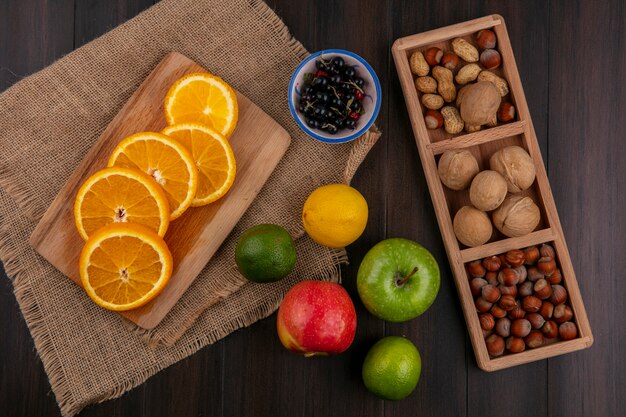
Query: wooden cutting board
(258, 143)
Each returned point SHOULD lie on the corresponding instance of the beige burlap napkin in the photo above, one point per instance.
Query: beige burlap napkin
(48, 122)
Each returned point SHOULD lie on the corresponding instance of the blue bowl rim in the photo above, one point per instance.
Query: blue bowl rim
(359, 132)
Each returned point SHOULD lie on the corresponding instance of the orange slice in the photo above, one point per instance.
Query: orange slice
(164, 159)
(213, 157)
(120, 195)
(124, 265)
(202, 98)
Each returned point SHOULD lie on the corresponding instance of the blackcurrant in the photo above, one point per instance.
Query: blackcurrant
(338, 62)
(320, 112)
(339, 122)
(332, 129)
(320, 82)
(322, 97)
(356, 106)
(312, 123)
(349, 72)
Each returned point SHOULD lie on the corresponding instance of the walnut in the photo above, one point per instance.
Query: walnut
(480, 105)
(517, 216)
(472, 226)
(516, 166)
(457, 168)
(488, 190)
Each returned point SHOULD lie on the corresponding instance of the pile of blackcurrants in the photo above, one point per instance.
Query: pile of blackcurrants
(331, 97)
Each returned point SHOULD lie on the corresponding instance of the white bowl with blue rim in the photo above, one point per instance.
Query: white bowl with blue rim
(371, 101)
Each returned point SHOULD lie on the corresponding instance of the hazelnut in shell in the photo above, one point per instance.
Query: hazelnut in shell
(488, 190)
(503, 327)
(457, 168)
(476, 286)
(517, 216)
(490, 59)
(550, 329)
(486, 39)
(515, 344)
(492, 263)
(515, 165)
(476, 269)
(480, 104)
(534, 339)
(495, 345)
(568, 331)
(472, 226)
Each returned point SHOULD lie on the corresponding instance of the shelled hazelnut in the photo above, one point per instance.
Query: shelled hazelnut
(516, 301)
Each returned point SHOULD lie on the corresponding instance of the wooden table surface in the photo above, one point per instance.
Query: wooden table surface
(571, 56)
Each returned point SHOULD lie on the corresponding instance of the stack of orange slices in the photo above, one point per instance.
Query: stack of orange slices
(123, 211)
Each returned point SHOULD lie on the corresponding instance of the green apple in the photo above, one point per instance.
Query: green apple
(398, 280)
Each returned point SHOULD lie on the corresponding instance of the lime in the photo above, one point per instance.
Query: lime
(265, 253)
(392, 368)
(335, 215)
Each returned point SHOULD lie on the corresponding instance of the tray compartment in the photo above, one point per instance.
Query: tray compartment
(482, 152)
(439, 135)
(554, 346)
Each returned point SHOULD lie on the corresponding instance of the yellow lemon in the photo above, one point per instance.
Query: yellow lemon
(335, 215)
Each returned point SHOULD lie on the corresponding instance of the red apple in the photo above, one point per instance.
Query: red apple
(316, 318)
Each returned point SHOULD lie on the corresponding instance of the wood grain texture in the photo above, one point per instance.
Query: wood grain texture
(566, 52)
(587, 153)
(440, 333)
(258, 143)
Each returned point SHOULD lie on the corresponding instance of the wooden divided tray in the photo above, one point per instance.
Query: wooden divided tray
(482, 144)
(258, 143)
